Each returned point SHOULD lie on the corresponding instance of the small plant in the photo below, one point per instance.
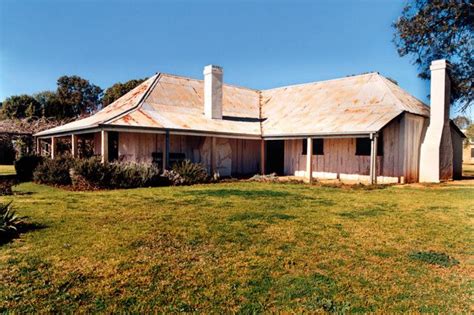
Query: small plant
(264, 178)
(9, 221)
(6, 185)
(54, 171)
(434, 258)
(26, 165)
(187, 173)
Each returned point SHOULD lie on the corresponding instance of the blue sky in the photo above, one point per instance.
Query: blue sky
(260, 44)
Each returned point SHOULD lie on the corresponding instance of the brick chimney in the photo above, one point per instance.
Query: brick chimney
(213, 78)
(436, 150)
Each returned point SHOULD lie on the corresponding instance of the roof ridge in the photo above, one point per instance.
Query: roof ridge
(138, 104)
(399, 102)
(398, 86)
(322, 81)
(194, 79)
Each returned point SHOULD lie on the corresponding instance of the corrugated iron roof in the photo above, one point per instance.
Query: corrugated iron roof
(357, 104)
(351, 105)
(127, 102)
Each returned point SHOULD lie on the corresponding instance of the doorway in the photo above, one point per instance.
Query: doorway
(113, 146)
(275, 155)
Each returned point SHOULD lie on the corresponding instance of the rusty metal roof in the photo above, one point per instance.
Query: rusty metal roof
(352, 105)
(177, 103)
(127, 102)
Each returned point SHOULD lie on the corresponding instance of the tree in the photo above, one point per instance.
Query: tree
(50, 105)
(78, 96)
(118, 90)
(436, 29)
(462, 122)
(20, 106)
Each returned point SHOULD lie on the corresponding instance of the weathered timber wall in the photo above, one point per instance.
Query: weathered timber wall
(412, 130)
(340, 161)
(234, 156)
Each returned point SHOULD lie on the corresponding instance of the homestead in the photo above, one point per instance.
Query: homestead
(363, 128)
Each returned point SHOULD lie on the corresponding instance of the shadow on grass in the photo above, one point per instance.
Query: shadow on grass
(244, 216)
(238, 193)
(22, 228)
(23, 193)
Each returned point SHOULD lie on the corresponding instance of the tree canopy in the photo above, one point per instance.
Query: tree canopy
(20, 106)
(437, 29)
(118, 90)
(74, 97)
(77, 96)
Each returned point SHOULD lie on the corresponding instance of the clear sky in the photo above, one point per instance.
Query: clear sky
(261, 44)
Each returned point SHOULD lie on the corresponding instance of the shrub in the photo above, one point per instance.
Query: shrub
(129, 175)
(6, 185)
(54, 171)
(9, 221)
(26, 165)
(91, 173)
(187, 173)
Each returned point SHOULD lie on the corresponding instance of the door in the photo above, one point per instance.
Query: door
(113, 146)
(275, 157)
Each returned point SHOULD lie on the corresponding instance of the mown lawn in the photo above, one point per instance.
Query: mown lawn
(240, 247)
(7, 169)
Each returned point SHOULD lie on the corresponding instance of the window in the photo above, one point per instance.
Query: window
(157, 158)
(363, 146)
(318, 146)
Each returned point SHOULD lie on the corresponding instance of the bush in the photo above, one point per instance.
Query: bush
(91, 173)
(187, 173)
(54, 171)
(26, 165)
(129, 175)
(9, 221)
(6, 185)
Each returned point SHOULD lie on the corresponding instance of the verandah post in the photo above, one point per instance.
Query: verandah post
(309, 156)
(73, 145)
(373, 158)
(166, 151)
(262, 157)
(213, 156)
(104, 146)
(53, 147)
(38, 145)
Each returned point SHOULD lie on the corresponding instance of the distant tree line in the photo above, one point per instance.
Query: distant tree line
(74, 97)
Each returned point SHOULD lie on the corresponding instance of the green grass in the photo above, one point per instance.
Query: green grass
(241, 247)
(7, 169)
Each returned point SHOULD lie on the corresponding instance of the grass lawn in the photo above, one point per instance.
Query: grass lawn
(7, 169)
(240, 247)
